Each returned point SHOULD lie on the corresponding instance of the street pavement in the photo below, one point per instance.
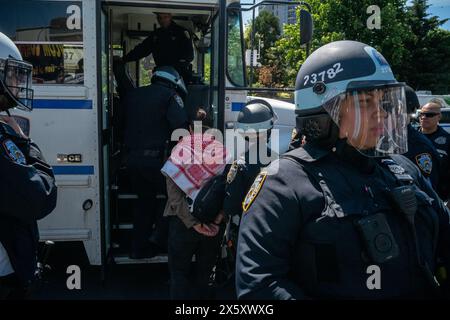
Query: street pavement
(121, 282)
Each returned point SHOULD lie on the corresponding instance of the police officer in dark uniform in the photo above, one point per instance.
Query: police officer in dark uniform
(170, 45)
(344, 216)
(153, 112)
(429, 117)
(27, 185)
(255, 122)
(420, 150)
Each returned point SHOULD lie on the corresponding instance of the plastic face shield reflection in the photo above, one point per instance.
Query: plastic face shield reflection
(373, 121)
(18, 81)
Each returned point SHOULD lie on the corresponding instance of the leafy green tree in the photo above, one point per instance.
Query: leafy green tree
(429, 65)
(267, 31)
(346, 19)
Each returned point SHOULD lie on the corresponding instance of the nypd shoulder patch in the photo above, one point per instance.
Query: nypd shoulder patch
(254, 190)
(179, 100)
(425, 162)
(13, 152)
(440, 140)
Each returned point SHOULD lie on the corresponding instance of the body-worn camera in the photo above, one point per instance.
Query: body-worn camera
(378, 239)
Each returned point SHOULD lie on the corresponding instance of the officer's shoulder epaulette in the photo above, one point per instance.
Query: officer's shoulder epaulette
(402, 166)
(306, 154)
(7, 130)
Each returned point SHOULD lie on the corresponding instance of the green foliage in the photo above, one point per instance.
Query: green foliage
(144, 75)
(429, 65)
(235, 65)
(207, 66)
(417, 49)
(267, 31)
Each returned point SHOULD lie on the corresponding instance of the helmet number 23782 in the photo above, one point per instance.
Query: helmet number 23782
(330, 73)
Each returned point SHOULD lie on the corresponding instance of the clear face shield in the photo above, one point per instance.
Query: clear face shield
(374, 121)
(16, 77)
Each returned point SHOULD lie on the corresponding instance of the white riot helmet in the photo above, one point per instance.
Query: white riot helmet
(351, 78)
(169, 75)
(15, 77)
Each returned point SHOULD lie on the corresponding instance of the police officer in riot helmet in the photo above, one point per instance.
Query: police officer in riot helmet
(153, 112)
(420, 150)
(170, 44)
(27, 187)
(321, 220)
(254, 125)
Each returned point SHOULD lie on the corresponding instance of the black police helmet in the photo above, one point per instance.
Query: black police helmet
(256, 115)
(412, 102)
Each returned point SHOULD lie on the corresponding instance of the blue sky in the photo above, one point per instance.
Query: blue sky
(440, 8)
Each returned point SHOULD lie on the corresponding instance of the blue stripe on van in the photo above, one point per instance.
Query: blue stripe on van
(61, 104)
(237, 106)
(81, 170)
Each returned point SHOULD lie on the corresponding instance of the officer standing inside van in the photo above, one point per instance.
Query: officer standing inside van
(323, 219)
(27, 185)
(171, 45)
(153, 112)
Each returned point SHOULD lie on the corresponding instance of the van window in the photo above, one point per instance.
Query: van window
(235, 64)
(49, 35)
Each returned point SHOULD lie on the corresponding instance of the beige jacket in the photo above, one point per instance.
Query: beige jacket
(177, 206)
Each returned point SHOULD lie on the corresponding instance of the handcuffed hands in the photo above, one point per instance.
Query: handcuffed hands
(209, 230)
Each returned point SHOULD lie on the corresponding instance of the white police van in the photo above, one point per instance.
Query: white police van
(76, 119)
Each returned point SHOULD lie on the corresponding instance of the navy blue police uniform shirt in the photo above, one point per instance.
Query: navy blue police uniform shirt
(441, 141)
(170, 46)
(153, 112)
(424, 155)
(27, 193)
(297, 239)
(240, 176)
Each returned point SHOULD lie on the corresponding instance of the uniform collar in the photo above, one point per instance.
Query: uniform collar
(353, 157)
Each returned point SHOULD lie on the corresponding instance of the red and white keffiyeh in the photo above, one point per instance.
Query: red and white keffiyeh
(194, 161)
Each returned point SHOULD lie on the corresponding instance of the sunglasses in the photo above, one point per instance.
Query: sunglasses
(428, 114)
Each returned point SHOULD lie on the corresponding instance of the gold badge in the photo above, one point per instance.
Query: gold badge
(232, 172)
(254, 190)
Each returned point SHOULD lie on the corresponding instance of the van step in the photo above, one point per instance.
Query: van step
(127, 196)
(124, 259)
(123, 226)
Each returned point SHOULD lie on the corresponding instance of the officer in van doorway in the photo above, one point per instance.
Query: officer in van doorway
(153, 112)
(171, 45)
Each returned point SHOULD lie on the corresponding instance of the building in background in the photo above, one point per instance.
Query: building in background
(286, 14)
